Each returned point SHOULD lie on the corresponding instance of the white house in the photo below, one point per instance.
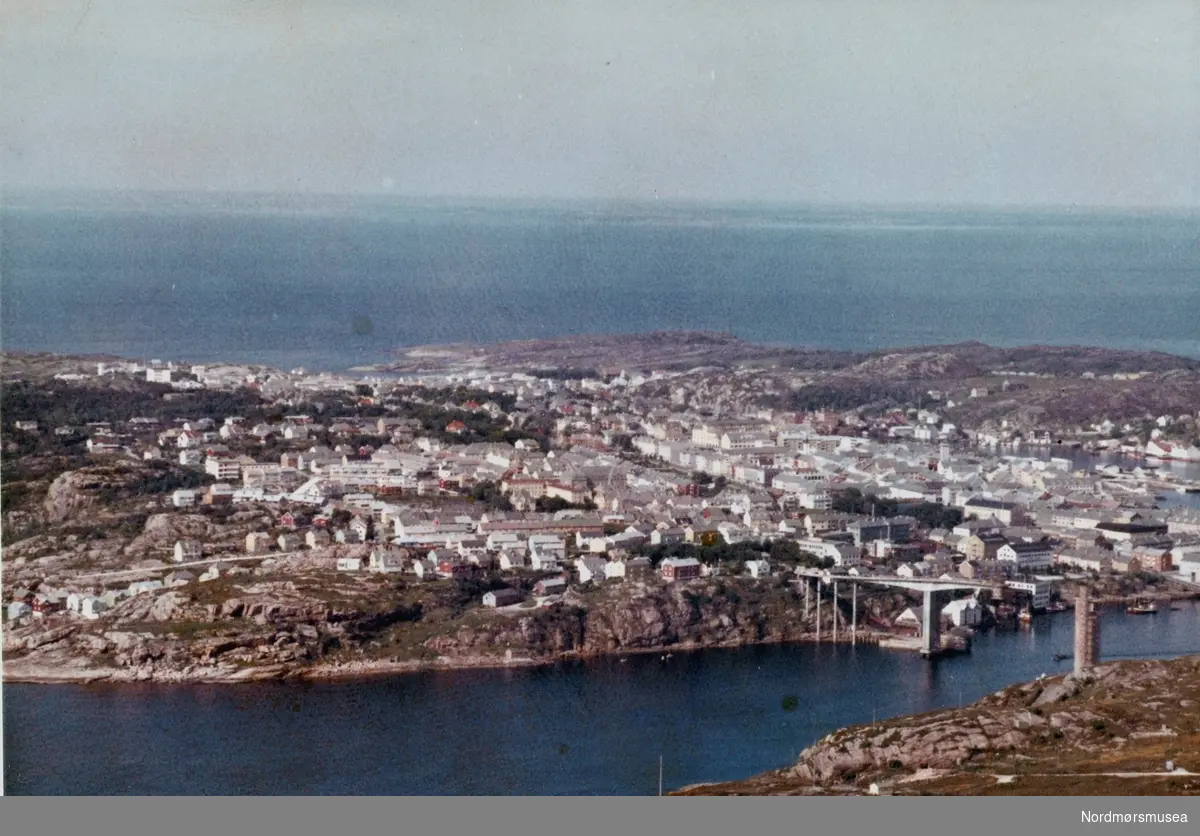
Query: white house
(349, 564)
(425, 569)
(317, 539)
(498, 540)
(183, 498)
(547, 545)
(911, 617)
(964, 612)
(213, 572)
(628, 568)
(178, 578)
(758, 568)
(1189, 569)
(382, 560)
(18, 609)
(544, 562)
(513, 559)
(290, 542)
(590, 569)
(91, 607)
(257, 542)
(187, 550)
(501, 598)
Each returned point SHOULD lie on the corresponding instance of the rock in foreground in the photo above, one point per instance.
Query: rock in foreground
(1111, 733)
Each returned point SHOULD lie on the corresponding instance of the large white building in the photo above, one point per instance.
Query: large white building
(224, 469)
(842, 554)
(1026, 557)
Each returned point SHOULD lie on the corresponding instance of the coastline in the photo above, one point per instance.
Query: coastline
(365, 669)
(368, 669)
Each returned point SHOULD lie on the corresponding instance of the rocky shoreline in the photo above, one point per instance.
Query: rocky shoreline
(1123, 728)
(25, 671)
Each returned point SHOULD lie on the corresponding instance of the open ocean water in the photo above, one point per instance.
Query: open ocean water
(295, 288)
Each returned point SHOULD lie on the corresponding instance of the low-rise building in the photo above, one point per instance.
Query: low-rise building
(258, 542)
(385, 560)
(180, 578)
(290, 542)
(964, 612)
(758, 569)
(187, 550)
(679, 568)
(502, 597)
(317, 539)
(590, 569)
(550, 586)
(1005, 512)
(91, 607)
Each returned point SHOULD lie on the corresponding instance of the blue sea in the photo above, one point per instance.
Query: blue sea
(341, 283)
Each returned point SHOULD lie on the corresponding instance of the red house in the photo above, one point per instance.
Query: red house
(453, 569)
(44, 605)
(291, 519)
(679, 568)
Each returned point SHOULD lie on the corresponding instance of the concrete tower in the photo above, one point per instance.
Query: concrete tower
(1087, 634)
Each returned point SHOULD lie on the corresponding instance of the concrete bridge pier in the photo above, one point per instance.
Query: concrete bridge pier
(818, 612)
(853, 614)
(835, 612)
(931, 627)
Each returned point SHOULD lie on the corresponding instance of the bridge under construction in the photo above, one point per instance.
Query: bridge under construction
(935, 594)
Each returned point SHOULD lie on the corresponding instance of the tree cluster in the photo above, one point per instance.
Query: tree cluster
(929, 514)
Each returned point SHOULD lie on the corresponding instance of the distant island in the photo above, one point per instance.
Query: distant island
(539, 500)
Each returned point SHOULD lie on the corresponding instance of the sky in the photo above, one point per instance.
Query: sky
(939, 102)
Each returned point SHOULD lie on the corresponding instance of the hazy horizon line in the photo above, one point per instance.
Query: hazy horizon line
(483, 200)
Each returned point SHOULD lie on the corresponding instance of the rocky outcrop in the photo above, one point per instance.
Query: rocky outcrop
(76, 492)
(311, 628)
(1122, 721)
(653, 616)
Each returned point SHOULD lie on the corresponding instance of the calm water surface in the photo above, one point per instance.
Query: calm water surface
(294, 289)
(581, 728)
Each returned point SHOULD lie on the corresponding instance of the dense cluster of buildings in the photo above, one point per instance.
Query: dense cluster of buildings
(639, 461)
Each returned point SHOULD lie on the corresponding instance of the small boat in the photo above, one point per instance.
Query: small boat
(1059, 657)
(1026, 616)
(1056, 606)
(1142, 608)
